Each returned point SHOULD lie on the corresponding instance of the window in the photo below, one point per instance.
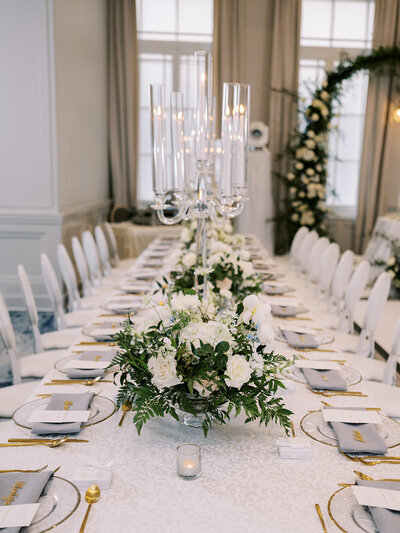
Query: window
(169, 32)
(330, 28)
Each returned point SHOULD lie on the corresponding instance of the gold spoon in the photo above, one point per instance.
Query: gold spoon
(125, 407)
(92, 496)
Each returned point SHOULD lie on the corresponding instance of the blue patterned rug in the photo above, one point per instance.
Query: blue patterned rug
(24, 337)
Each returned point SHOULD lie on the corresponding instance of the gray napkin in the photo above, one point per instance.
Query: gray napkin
(386, 520)
(333, 381)
(272, 289)
(300, 340)
(373, 442)
(81, 402)
(283, 310)
(105, 325)
(29, 493)
(79, 373)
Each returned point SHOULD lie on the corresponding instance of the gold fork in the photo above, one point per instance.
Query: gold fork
(389, 460)
(54, 444)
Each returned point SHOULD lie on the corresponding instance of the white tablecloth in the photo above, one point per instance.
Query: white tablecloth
(244, 486)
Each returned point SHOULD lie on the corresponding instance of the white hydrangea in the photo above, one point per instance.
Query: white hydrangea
(305, 154)
(310, 144)
(211, 332)
(299, 165)
(307, 218)
(186, 235)
(163, 368)
(182, 302)
(290, 176)
(189, 259)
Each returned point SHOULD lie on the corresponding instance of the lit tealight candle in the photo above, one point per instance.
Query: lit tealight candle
(188, 459)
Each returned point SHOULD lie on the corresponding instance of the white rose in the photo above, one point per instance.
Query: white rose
(189, 259)
(266, 334)
(247, 268)
(181, 302)
(225, 293)
(311, 134)
(164, 372)
(224, 283)
(315, 117)
(186, 235)
(238, 371)
(299, 165)
(295, 217)
(310, 171)
(310, 144)
(290, 176)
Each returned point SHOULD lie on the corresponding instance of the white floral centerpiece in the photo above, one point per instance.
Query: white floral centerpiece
(188, 357)
(229, 272)
(215, 232)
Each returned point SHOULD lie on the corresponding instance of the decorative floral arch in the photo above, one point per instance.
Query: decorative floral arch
(308, 146)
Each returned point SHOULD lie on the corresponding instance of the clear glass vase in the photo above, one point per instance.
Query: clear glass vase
(200, 406)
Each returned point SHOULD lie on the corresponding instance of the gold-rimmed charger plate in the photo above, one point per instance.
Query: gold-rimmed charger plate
(58, 502)
(321, 338)
(100, 409)
(315, 427)
(350, 376)
(348, 515)
(59, 365)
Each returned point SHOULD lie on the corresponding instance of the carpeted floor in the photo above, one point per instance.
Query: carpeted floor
(24, 339)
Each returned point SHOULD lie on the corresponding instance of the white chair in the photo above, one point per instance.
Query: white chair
(36, 366)
(42, 341)
(299, 237)
(364, 344)
(340, 281)
(314, 263)
(376, 370)
(104, 252)
(113, 244)
(75, 302)
(80, 260)
(352, 296)
(92, 257)
(305, 249)
(329, 261)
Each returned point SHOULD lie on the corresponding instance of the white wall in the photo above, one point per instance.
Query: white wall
(53, 145)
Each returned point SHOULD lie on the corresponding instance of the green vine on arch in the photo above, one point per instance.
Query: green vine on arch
(308, 147)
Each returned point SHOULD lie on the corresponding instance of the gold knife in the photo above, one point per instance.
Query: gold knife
(44, 440)
(321, 518)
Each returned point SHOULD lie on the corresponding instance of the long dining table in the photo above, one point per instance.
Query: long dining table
(244, 487)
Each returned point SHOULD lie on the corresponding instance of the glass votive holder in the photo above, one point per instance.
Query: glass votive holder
(188, 461)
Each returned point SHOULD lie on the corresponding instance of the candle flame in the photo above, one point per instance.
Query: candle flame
(180, 115)
(203, 76)
(159, 111)
(227, 111)
(241, 109)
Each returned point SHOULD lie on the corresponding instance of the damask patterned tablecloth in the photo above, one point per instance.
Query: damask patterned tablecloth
(244, 486)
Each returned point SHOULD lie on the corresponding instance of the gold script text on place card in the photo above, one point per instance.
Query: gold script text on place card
(67, 405)
(357, 436)
(325, 378)
(97, 358)
(13, 492)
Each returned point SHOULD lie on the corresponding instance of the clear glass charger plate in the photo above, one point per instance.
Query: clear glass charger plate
(320, 338)
(348, 515)
(281, 291)
(350, 376)
(121, 307)
(88, 331)
(60, 363)
(58, 501)
(298, 310)
(101, 408)
(315, 427)
(134, 289)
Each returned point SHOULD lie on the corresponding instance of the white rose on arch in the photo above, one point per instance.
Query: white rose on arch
(238, 371)
(189, 259)
(164, 371)
(224, 283)
(186, 235)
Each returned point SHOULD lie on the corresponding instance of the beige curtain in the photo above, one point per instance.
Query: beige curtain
(283, 107)
(379, 177)
(257, 41)
(228, 48)
(122, 99)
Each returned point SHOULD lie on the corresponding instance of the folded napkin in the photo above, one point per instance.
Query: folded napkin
(273, 289)
(283, 310)
(358, 438)
(34, 483)
(294, 448)
(299, 340)
(324, 379)
(79, 373)
(81, 402)
(386, 520)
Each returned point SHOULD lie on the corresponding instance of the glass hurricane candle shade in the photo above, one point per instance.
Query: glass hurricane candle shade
(158, 139)
(203, 103)
(178, 142)
(188, 461)
(242, 123)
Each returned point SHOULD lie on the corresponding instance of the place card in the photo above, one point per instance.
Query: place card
(294, 448)
(58, 417)
(373, 497)
(351, 417)
(317, 365)
(17, 515)
(86, 364)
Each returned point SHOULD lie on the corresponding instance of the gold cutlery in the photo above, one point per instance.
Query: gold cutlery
(92, 343)
(388, 461)
(45, 440)
(27, 471)
(369, 478)
(87, 382)
(330, 393)
(54, 444)
(292, 428)
(366, 408)
(292, 318)
(312, 349)
(321, 518)
(92, 496)
(125, 407)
